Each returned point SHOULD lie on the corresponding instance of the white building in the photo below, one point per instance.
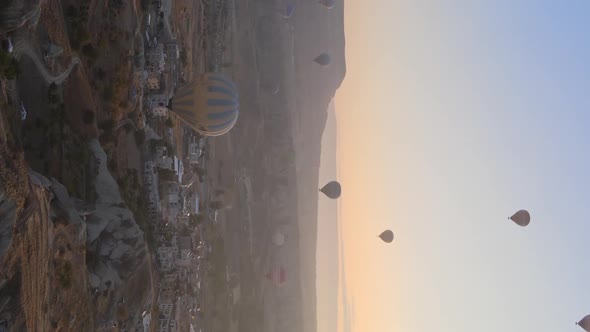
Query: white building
(164, 325)
(194, 152)
(192, 203)
(157, 99)
(150, 180)
(160, 111)
(165, 162)
(153, 81)
(166, 303)
(167, 257)
(154, 58)
(172, 50)
(173, 326)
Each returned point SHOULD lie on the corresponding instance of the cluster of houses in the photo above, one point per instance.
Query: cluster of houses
(181, 249)
(179, 254)
(180, 284)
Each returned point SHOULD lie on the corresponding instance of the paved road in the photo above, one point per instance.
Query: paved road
(22, 47)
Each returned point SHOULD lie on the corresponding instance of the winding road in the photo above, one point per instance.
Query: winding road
(22, 47)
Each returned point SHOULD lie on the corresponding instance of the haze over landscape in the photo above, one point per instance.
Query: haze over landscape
(160, 162)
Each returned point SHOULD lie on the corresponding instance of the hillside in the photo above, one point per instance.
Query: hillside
(317, 30)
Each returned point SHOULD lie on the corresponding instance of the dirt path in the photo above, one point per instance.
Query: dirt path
(22, 47)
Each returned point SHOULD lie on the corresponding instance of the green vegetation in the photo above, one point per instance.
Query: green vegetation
(167, 175)
(63, 269)
(183, 56)
(90, 52)
(217, 205)
(9, 68)
(195, 219)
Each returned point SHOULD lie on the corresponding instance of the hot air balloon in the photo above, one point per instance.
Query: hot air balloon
(327, 3)
(585, 323)
(278, 239)
(323, 59)
(521, 218)
(289, 10)
(278, 275)
(332, 189)
(386, 236)
(209, 105)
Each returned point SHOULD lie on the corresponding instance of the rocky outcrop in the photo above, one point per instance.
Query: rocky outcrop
(113, 236)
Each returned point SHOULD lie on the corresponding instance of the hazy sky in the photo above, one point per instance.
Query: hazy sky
(452, 116)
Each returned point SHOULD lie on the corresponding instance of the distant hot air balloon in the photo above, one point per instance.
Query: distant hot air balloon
(521, 218)
(323, 59)
(585, 323)
(278, 275)
(210, 105)
(278, 239)
(332, 189)
(289, 10)
(386, 236)
(327, 3)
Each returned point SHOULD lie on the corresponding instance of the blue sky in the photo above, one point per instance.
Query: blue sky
(475, 110)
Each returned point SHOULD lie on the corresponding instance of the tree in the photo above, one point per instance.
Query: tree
(217, 205)
(90, 51)
(167, 175)
(195, 219)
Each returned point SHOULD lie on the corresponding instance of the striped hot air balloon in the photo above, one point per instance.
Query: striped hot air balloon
(210, 105)
(278, 275)
(327, 3)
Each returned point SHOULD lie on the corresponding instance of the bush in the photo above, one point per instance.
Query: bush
(9, 68)
(169, 122)
(64, 273)
(217, 205)
(167, 175)
(90, 51)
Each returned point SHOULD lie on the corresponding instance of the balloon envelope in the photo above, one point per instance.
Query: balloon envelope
(289, 9)
(278, 275)
(323, 59)
(521, 218)
(210, 105)
(386, 236)
(585, 323)
(278, 239)
(327, 3)
(332, 189)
